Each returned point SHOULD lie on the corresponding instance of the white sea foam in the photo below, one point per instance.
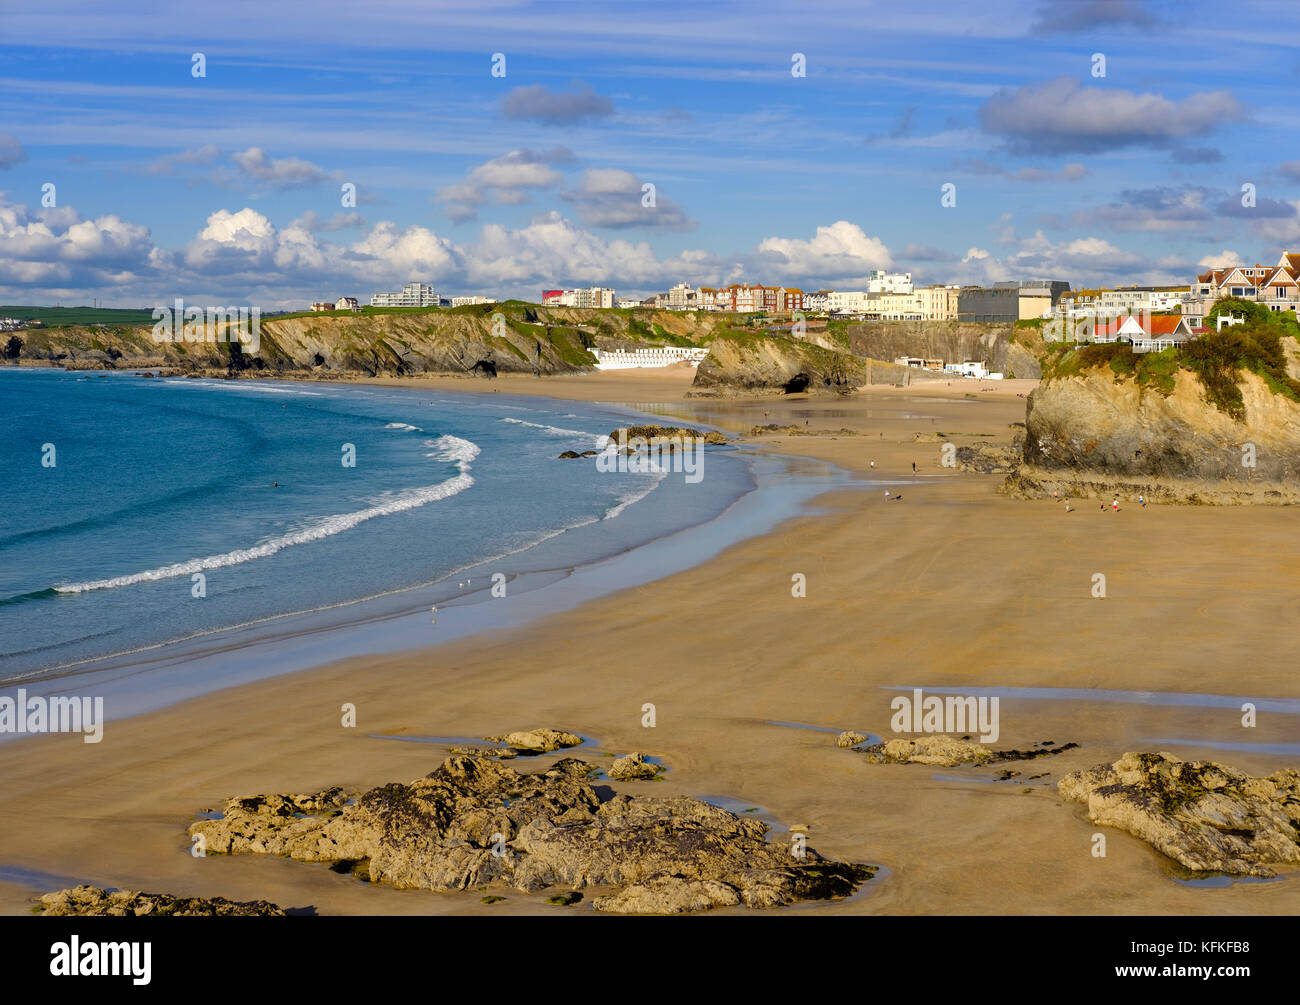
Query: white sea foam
(240, 385)
(557, 430)
(447, 448)
(453, 449)
(404, 425)
(636, 495)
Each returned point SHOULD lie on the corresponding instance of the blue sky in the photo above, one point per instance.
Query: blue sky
(227, 187)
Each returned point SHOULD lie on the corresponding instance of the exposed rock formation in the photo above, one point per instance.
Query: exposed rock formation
(1098, 424)
(537, 741)
(987, 458)
(1207, 816)
(949, 751)
(474, 821)
(632, 767)
(478, 341)
(849, 738)
(940, 750)
(671, 433)
(778, 365)
(505, 753)
(86, 901)
(950, 341)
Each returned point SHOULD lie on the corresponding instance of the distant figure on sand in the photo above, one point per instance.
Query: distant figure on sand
(873, 465)
(914, 467)
(1142, 501)
(1115, 505)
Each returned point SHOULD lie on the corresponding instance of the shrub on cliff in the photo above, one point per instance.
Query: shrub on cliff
(1219, 357)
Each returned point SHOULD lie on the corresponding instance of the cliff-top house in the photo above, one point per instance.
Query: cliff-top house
(1277, 286)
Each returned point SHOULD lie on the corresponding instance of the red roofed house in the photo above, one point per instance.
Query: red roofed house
(1147, 332)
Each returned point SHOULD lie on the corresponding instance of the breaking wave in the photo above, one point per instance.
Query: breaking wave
(446, 448)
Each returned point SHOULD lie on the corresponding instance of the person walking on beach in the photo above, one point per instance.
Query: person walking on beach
(1114, 506)
(914, 468)
(1142, 501)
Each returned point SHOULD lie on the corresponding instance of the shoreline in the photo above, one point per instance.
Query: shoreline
(953, 586)
(534, 565)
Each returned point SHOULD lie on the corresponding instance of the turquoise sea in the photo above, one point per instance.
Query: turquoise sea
(138, 513)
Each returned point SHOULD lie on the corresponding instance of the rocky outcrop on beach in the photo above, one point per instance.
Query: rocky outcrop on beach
(475, 821)
(91, 901)
(537, 741)
(668, 434)
(946, 751)
(633, 767)
(1209, 817)
(949, 751)
(988, 458)
(1216, 422)
(848, 738)
(1095, 422)
(773, 365)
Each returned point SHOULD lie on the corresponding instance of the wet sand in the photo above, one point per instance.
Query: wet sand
(953, 585)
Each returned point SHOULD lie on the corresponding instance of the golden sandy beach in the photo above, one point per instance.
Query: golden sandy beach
(953, 585)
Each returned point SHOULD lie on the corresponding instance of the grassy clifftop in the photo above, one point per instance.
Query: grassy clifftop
(1265, 346)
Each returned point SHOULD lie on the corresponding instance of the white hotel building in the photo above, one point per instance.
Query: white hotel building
(412, 295)
(659, 356)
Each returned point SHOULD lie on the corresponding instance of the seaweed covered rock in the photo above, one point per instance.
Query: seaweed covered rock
(668, 434)
(474, 821)
(940, 750)
(91, 901)
(949, 751)
(1207, 816)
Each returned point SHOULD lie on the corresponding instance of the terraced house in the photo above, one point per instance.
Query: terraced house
(1278, 286)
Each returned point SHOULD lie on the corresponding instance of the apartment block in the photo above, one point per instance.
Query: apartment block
(412, 295)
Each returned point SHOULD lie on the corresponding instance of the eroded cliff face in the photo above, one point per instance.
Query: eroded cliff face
(531, 339)
(778, 364)
(951, 341)
(1094, 423)
(772, 365)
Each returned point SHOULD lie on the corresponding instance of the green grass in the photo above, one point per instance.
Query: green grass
(1217, 359)
(53, 316)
